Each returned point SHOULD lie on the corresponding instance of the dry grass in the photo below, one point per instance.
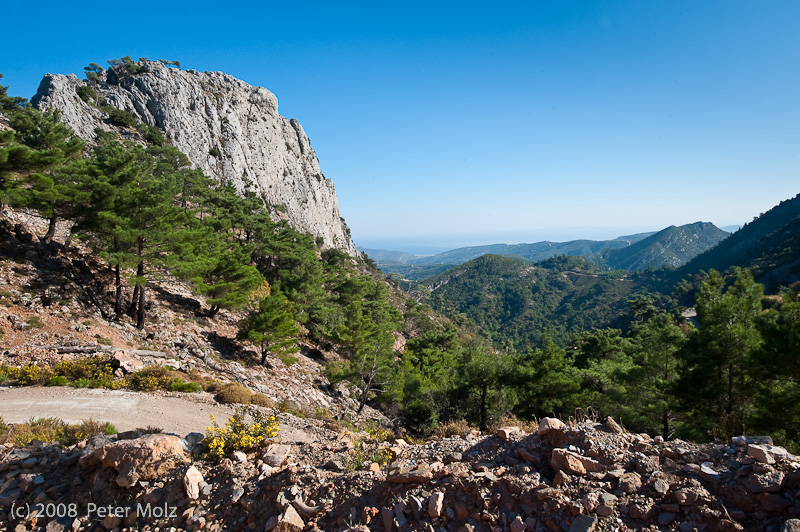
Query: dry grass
(453, 428)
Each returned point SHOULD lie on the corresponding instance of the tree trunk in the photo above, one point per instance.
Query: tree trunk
(263, 354)
(213, 312)
(51, 231)
(118, 295)
(484, 393)
(134, 301)
(140, 313)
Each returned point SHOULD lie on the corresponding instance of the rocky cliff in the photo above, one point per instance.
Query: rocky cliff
(228, 128)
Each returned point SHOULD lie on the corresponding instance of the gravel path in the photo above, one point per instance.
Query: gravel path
(176, 414)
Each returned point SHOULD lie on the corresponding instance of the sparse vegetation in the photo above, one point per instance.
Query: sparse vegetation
(246, 428)
(49, 430)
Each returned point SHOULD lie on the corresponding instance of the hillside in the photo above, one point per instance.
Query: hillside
(769, 246)
(673, 246)
(510, 299)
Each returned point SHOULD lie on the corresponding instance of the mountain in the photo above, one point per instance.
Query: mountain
(383, 255)
(769, 246)
(231, 130)
(673, 246)
(511, 299)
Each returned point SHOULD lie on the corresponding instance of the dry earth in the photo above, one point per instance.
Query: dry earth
(179, 414)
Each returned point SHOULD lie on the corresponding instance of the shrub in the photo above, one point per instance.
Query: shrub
(363, 453)
(119, 117)
(30, 374)
(57, 380)
(71, 434)
(149, 429)
(259, 399)
(3, 430)
(233, 392)
(180, 385)
(86, 93)
(35, 322)
(214, 152)
(246, 427)
(105, 341)
(453, 428)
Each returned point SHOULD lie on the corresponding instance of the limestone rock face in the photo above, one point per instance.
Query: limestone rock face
(229, 129)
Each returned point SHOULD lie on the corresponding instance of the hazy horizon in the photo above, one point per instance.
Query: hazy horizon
(434, 244)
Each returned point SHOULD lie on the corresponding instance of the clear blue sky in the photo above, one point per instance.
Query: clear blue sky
(462, 123)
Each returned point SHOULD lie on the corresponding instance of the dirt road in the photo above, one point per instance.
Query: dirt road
(125, 410)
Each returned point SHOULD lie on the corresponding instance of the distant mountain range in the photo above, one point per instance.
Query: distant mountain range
(769, 246)
(672, 246)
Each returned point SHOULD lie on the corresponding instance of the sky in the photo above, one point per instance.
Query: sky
(461, 123)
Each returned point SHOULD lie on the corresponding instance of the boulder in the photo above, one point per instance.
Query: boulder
(145, 458)
(193, 482)
(290, 521)
(410, 474)
(550, 424)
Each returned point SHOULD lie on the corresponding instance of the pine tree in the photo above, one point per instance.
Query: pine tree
(273, 328)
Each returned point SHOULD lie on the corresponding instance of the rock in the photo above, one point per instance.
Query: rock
(145, 458)
(239, 456)
(773, 502)
(766, 454)
(560, 479)
(665, 518)
(410, 474)
(276, 454)
(435, 503)
(451, 458)
(110, 522)
(574, 462)
(550, 424)
(504, 433)
(518, 525)
(227, 128)
(591, 501)
(612, 426)
(127, 362)
(334, 465)
(660, 486)
(290, 521)
(387, 518)
(791, 525)
(641, 509)
(630, 483)
(769, 482)
(583, 523)
(193, 482)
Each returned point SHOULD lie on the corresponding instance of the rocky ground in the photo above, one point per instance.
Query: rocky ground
(578, 477)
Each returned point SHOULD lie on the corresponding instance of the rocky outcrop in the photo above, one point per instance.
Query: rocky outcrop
(512, 482)
(228, 128)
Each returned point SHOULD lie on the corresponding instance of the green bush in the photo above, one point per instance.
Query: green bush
(35, 322)
(119, 117)
(180, 385)
(214, 152)
(86, 93)
(57, 380)
(51, 429)
(105, 341)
